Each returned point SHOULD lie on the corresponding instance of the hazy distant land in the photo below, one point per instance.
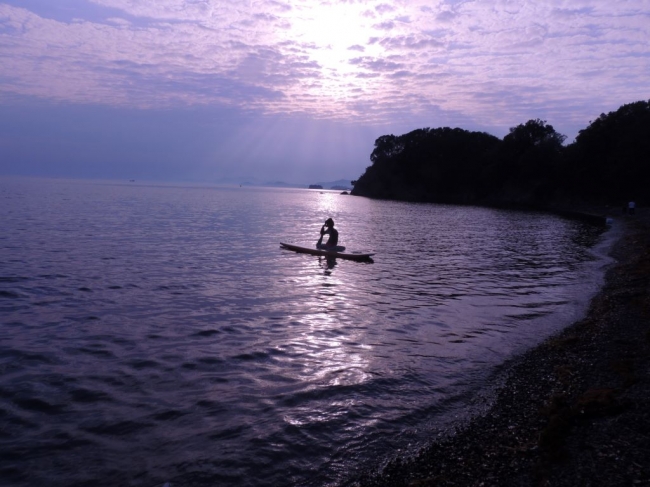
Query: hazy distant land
(339, 184)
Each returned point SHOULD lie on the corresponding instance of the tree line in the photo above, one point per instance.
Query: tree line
(608, 163)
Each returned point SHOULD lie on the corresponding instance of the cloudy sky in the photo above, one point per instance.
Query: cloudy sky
(295, 90)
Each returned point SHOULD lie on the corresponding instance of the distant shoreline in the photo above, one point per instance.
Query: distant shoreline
(572, 411)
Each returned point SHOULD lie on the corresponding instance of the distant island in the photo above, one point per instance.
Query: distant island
(609, 163)
(339, 185)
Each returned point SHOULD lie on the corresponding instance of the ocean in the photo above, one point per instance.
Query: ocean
(157, 333)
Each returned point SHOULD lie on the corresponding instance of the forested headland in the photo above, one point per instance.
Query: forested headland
(608, 163)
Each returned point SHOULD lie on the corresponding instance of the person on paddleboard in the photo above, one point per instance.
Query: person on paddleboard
(333, 240)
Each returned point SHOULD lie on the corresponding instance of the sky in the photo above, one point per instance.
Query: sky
(295, 90)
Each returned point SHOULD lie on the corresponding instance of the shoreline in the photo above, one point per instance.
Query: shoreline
(574, 410)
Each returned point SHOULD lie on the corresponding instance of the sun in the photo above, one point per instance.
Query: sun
(337, 31)
(334, 34)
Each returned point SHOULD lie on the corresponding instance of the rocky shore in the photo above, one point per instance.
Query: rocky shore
(574, 411)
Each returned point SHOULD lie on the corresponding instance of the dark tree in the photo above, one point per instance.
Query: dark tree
(528, 164)
(535, 134)
(426, 165)
(610, 159)
(608, 163)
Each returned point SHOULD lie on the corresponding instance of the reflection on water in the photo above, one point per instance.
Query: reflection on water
(157, 334)
(328, 264)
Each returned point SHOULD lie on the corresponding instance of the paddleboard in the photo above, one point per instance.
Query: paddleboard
(360, 256)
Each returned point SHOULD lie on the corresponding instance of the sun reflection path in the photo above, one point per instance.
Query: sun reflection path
(331, 350)
(328, 204)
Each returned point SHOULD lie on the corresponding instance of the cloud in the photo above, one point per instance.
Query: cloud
(282, 57)
(375, 64)
(410, 42)
(387, 25)
(384, 8)
(263, 52)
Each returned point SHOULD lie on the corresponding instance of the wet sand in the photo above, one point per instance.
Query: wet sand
(574, 411)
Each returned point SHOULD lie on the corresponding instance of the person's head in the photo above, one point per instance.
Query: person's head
(329, 222)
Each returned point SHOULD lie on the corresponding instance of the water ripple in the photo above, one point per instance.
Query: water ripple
(154, 334)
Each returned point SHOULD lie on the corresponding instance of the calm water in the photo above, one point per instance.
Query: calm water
(154, 334)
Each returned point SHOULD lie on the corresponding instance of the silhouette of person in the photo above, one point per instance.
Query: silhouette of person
(333, 240)
(630, 207)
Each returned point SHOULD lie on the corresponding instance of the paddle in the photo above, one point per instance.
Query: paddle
(320, 240)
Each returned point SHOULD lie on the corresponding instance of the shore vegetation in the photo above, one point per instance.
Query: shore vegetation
(608, 163)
